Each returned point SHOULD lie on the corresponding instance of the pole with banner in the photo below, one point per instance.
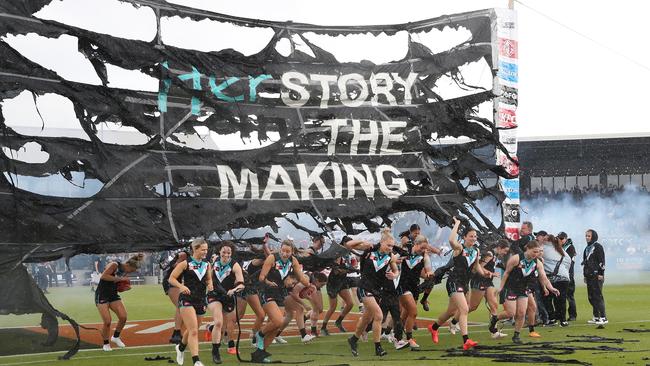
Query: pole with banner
(505, 109)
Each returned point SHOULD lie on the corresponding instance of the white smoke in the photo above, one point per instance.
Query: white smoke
(622, 220)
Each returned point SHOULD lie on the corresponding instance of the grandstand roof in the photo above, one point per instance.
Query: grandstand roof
(585, 156)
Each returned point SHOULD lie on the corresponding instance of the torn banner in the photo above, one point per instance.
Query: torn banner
(353, 140)
(356, 140)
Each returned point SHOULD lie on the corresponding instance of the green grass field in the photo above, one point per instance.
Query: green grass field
(627, 307)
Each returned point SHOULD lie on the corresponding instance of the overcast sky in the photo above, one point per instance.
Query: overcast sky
(568, 85)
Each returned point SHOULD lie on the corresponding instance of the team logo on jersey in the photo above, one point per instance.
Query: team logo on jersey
(527, 267)
(221, 271)
(199, 268)
(470, 254)
(283, 268)
(414, 261)
(379, 260)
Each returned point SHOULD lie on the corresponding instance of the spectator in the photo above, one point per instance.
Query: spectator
(52, 275)
(67, 275)
(41, 277)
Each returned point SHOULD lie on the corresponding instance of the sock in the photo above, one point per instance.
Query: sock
(389, 329)
(493, 323)
(465, 338)
(195, 359)
(277, 335)
(384, 331)
(116, 334)
(261, 334)
(182, 346)
(354, 338)
(454, 321)
(215, 347)
(324, 325)
(425, 297)
(231, 343)
(105, 341)
(377, 346)
(516, 335)
(211, 327)
(339, 319)
(313, 330)
(531, 328)
(435, 326)
(176, 332)
(303, 332)
(409, 335)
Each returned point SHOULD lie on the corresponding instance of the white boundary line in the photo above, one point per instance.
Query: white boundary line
(244, 342)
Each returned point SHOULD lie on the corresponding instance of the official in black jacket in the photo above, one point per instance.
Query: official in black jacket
(593, 269)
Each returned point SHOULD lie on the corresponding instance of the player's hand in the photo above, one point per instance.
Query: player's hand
(391, 275)
(210, 287)
(237, 289)
(270, 283)
(185, 290)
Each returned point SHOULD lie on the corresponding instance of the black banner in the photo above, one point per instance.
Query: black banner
(350, 140)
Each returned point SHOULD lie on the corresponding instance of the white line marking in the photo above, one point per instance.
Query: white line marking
(244, 344)
(157, 329)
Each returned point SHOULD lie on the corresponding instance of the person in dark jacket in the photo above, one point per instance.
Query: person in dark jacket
(570, 249)
(593, 269)
(525, 235)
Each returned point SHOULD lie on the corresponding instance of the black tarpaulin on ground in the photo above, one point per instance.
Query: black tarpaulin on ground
(20, 295)
(343, 141)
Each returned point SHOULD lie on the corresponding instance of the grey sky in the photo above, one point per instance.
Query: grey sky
(568, 85)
